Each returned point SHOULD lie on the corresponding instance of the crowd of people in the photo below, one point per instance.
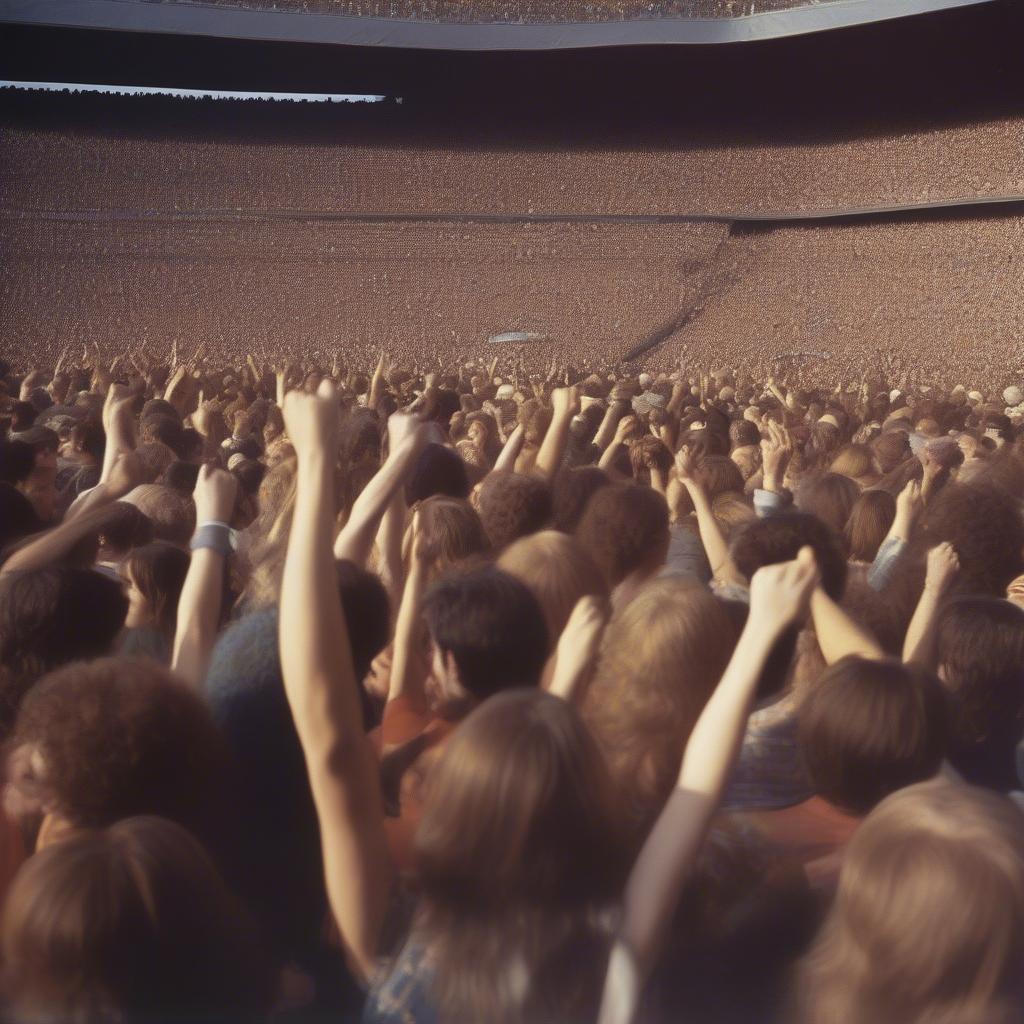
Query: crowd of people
(462, 694)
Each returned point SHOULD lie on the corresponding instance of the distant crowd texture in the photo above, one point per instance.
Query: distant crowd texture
(445, 692)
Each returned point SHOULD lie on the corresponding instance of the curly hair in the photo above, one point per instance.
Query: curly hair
(121, 737)
(513, 505)
(625, 528)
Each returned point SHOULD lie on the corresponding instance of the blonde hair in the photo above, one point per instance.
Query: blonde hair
(662, 656)
(928, 923)
(558, 571)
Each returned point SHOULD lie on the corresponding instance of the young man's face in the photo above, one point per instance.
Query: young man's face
(41, 489)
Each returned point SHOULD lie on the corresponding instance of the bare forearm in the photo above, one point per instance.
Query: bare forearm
(838, 635)
(549, 458)
(199, 610)
(919, 644)
(407, 631)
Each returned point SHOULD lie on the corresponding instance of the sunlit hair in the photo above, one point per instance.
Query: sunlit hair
(855, 461)
(129, 924)
(517, 861)
(558, 571)
(661, 658)
(870, 520)
(928, 924)
(450, 530)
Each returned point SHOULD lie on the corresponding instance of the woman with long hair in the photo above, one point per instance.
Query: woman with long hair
(928, 923)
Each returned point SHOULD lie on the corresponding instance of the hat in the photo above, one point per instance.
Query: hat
(646, 380)
(1013, 395)
(975, 396)
(505, 391)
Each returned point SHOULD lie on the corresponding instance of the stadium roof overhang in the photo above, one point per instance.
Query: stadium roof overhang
(477, 29)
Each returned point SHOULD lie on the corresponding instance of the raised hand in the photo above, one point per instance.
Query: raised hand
(566, 401)
(214, 495)
(780, 594)
(942, 567)
(686, 464)
(776, 451)
(578, 645)
(627, 427)
(125, 475)
(312, 421)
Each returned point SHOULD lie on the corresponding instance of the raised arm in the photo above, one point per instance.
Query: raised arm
(406, 439)
(511, 449)
(405, 680)
(199, 605)
(778, 597)
(319, 679)
(576, 653)
(565, 403)
(839, 635)
(715, 546)
(919, 644)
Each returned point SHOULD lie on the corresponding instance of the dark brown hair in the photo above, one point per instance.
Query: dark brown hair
(870, 520)
(132, 924)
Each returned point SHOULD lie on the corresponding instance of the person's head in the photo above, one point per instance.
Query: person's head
(49, 617)
(17, 460)
(181, 477)
(558, 572)
(40, 487)
(780, 538)
(743, 433)
(830, 497)
(449, 531)
(981, 663)
(869, 728)
(116, 737)
(438, 470)
(855, 461)
(154, 574)
(488, 634)
(130, 923)
(625, 530)
(516, 856)
(172, 514)
(661, 658)
(124, 528)
(720, 475)
(571, 491)
(513, 505)
(984, 525)
(870, 519)
(928, 922)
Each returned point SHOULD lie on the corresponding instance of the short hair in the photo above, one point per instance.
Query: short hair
(172, 514)
(743, 433)
(154, 457)
(779, 539)
(558, 572)
(49, 617)
(437, 470)
(491, 625)
(120, 737)
(869, 728)
(571, 491)
(513, 505)
(181, 477)
(624, 528)
(450, 530)
(125, 527)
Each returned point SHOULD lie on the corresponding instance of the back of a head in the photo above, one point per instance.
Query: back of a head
(519, 810)
(854, 461)
(625, 530)
(513, 505)
(558, 572)
(869, 728)
(870, 519)
(830, 497)
(572, 490)
(133, 924)
(661, 658)
(120, 737)
(173, 515)
(780, 538)
(450, 530)
(438, 470)
(49, 617)
(984, 526)
(981, 659)
(928, 923)
(125, 527)
(492, 626)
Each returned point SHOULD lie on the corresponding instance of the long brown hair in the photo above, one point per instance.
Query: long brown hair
(517, 859)
(159, 571)
(928, 923)
(870, 519)
(662, 656)
(129, 923)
